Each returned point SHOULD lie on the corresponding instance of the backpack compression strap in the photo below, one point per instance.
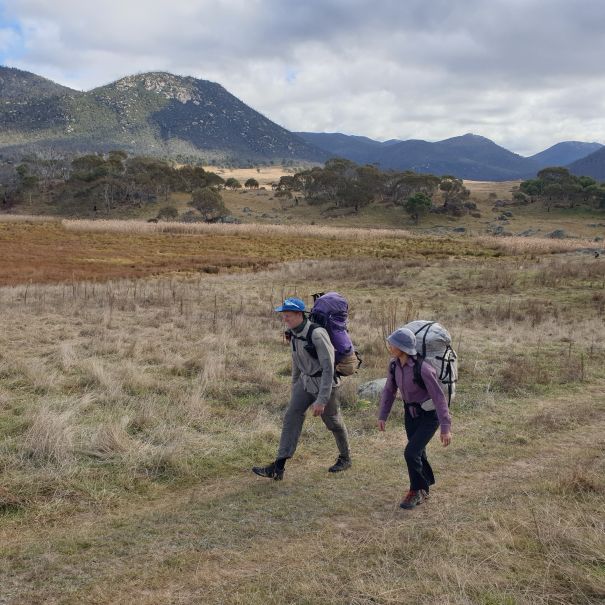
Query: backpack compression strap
(426, 327)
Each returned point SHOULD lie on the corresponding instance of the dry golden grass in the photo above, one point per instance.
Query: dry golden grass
(26, 218)
(481, 190)
(131, 411)
(264, 175)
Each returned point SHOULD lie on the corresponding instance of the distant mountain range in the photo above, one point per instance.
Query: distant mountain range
(166, 115)
(592, 165)
(469, 156)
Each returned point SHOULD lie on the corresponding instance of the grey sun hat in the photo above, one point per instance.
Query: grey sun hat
(404, 340)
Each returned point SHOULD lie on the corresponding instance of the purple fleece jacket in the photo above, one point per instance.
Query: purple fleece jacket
(403, 380)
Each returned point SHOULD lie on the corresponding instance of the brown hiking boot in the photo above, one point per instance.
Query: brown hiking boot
(412, 499)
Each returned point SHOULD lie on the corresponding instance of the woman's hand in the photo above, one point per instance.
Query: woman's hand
(381, 424)
(446, 439)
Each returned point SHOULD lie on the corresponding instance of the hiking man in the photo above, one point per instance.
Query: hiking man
(425, 410)
(313, 385)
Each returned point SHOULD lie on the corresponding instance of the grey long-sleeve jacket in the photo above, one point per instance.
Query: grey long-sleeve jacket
(304, 366)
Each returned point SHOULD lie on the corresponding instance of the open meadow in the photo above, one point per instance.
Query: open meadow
(143, 372)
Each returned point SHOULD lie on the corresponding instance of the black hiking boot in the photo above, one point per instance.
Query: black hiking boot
(270, 471)
(342, 464)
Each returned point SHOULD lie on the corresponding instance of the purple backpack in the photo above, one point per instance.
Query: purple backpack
(331, 311)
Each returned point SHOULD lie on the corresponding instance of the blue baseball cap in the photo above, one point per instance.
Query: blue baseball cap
(291, 304)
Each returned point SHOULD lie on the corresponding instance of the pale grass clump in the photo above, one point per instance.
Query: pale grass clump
(194, 405)
(214, 370)
(67, 356)
(37, 373)
(96, 373)
(135, 379)
(50, 437)
(161, 452)
(110, 439)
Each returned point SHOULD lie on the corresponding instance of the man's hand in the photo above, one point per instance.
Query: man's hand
(446, 439)
(318, 408)
(381, 424)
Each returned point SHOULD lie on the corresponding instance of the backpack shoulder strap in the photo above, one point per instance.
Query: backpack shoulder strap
(312, 327)
(309, 346)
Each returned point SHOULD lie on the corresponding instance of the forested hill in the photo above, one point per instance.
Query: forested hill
(153, 113)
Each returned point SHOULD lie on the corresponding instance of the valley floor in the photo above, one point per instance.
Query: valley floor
(132, 408)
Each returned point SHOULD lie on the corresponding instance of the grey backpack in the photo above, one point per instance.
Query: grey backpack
(434, 346)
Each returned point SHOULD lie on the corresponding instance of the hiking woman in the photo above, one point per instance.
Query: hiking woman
(425, 406)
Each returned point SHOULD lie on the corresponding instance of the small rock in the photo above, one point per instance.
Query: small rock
(371, 390)
(558, 234)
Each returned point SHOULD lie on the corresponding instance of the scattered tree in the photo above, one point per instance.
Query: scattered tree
(418, 205)
(209, 203)
(232, 183)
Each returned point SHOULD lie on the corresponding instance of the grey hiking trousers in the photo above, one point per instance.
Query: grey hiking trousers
(294, 418)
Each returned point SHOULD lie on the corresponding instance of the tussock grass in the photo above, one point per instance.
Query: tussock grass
(50, 437)
(131, 462)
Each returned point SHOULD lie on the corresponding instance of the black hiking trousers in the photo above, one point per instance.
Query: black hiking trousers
(420, 431)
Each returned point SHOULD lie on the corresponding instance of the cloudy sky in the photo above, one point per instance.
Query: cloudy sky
(525, 73)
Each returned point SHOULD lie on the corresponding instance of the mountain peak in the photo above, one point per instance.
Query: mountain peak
(170, 86)
(469, 137)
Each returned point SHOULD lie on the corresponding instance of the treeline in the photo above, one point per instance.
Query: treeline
(343, 184)
(102, 183)
(557, 187)
(106, 180)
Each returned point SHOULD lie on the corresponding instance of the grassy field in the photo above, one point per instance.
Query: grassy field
(131, 411)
